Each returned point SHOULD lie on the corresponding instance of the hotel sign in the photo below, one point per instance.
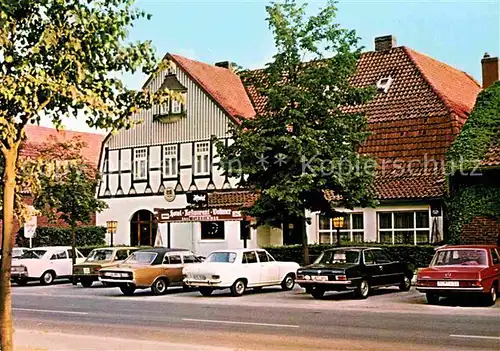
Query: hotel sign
(188, 215)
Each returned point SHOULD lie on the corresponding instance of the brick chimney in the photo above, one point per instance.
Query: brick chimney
(491, 71)
(226, 64)
(385, 43)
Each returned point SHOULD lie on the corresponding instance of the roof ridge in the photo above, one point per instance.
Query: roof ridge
(63, 130)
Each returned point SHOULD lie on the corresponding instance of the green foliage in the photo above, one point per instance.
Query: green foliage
(415, 256)
(52, 236)
(304, 143)
(469, 202)
(481, 130)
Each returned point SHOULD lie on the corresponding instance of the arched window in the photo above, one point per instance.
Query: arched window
(143, 227)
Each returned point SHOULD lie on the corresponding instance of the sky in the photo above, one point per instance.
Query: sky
(456, 32)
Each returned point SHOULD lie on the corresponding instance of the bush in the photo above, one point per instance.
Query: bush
(53, 236)
(415, 256)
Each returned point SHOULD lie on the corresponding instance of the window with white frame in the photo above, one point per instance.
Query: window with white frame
(202, 153)
(353, 230)
(404, 227)
(140, 163)
(170, 160)
(176, 107)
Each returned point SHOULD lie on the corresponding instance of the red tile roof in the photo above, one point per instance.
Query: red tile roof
(492, 157)
(232, 199)
(36, 136)
(414, 123)
(221, 83)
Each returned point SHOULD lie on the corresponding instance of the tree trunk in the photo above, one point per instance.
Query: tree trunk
(9, 187)
(305, 247)
(73, 250)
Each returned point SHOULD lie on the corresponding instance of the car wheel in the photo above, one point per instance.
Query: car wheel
(491, 296)
(238, 288)
(432, 299)
(86, 283)
(47, 278)
(127, 290)
(317, 293)
(405, 284)
(288, 283)
(160, 286)
(205, 291)
(363, 290)
(21, 281)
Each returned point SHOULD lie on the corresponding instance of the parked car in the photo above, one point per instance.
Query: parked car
(240, 269)
(357, 269)
(462, 269)
(156, 268)
(87, 272)
(44, 264)
(17, 252)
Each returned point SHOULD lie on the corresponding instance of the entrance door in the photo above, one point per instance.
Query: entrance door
(143, 228)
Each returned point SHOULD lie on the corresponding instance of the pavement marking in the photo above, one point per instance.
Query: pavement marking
(476, 337)
(242, 323)
(49, 311)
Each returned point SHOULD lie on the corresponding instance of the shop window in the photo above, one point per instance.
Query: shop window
(403, 227)
(353, 231)
(212, 230)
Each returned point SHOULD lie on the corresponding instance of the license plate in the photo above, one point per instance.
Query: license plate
(86, 271)
(319, 278)
(448, 283)
(199, 277)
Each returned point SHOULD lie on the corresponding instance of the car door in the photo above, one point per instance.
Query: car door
(373, 271)
(495, 260)
(173, 269)
(61, 263)
(251, 268)
(270, 272)
(390, 271)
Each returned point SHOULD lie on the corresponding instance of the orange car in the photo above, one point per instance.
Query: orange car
(156, 268)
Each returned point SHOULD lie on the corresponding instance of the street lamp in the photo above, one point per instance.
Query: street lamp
(111, 225)
(338, 223)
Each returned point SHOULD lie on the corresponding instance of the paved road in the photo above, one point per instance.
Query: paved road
(269, 320)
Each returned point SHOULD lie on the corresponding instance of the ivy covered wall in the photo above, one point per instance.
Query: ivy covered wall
(473, 190)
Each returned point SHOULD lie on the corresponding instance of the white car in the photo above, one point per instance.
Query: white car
(240, 269)
(44, 264)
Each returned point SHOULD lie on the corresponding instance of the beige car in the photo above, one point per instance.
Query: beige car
(156, 268)
(87, 272)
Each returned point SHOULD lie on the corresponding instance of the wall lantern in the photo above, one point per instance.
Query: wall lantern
(338, 223)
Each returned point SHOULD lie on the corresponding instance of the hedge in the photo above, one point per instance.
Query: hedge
(415, 255)
(53, 236)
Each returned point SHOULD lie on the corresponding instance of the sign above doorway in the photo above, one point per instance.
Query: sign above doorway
(187, 215)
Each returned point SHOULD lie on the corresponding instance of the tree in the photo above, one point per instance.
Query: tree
(305, 142)
(67, 191)
(61, 58)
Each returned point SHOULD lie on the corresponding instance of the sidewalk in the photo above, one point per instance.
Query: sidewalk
(28, 340)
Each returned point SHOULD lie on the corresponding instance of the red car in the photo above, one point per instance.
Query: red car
(462, 269)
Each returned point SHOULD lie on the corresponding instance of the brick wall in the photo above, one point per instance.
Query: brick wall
(482, 230)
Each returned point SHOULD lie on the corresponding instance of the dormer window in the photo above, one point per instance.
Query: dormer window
(172, 109)
(384, 84)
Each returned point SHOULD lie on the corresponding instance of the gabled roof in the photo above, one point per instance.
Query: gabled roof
(37, 135)
(413, 123)
(222, 84)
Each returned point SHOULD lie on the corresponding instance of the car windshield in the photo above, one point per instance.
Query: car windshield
(223, 257)
(100, 255)
(34, 254)
(141, 258)
(339, 256)
(460, 257)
